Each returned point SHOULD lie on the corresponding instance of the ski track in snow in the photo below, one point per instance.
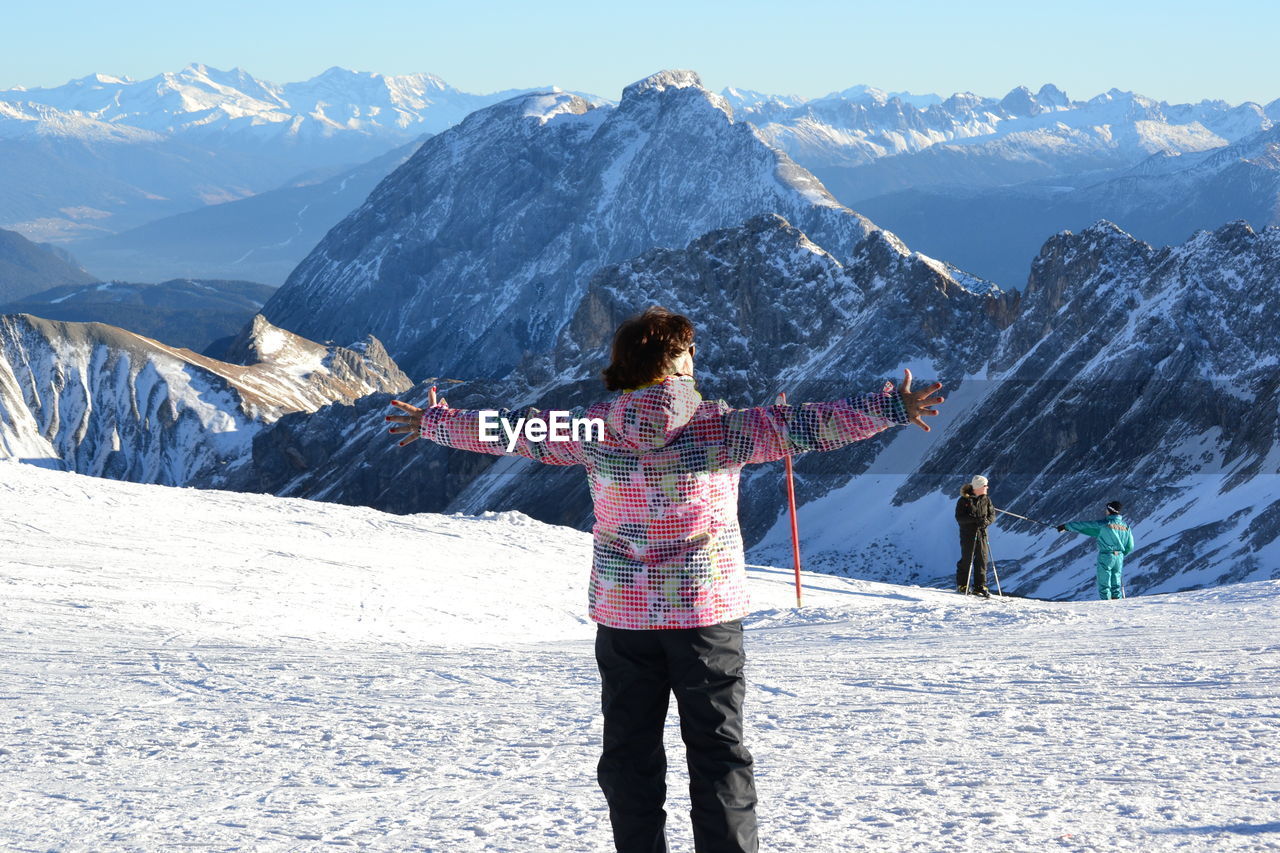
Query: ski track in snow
(183, 669)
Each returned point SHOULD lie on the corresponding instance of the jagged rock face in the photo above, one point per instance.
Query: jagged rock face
(1122, 372)
(1134, 374)
(773, 306)
(103, 401)
(328, 373)
(476, 251)
(774, 312)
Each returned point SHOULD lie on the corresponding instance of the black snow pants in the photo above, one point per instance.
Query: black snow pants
(971, 549)
(703, 668)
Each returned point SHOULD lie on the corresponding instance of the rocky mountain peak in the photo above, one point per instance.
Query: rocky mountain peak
(1063, 270)
(527, 110)
(349, 371)
(1233, 233)
(1103, 229)
(667, 88)
(662, 81)
(473, 254)
(260, 341)
(1051, 96)
(963, 103)
(1020, 102)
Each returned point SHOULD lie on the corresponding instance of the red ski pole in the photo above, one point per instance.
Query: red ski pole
(791, 500)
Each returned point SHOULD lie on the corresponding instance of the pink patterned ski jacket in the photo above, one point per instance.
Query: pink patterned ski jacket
(664, 479)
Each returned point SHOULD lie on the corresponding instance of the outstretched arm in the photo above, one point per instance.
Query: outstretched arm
(766, 433)
(467, 429)
(1088, 528)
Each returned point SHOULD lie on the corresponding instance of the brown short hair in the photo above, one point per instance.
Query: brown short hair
(645, 346)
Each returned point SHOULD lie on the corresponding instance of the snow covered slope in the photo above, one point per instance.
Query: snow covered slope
(248, 672)
(105, 401)
(475, 252)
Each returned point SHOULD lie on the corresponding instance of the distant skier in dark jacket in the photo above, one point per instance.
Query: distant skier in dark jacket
(974, 512)
(1115, 542)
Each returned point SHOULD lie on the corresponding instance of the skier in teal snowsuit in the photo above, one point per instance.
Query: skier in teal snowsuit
(1115, 540)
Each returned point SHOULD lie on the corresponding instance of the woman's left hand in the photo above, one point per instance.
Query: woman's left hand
(411, 423)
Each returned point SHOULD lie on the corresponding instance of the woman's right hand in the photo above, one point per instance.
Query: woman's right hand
(411, 421)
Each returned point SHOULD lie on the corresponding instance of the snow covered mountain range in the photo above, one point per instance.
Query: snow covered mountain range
(471, 254)
(199, 100)
(103, 154)
(980, 141)
(983, 181)
(1163, 199)
(507, 248)
(108, 402)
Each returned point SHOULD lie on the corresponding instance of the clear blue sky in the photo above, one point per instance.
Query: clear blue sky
(1173, 50)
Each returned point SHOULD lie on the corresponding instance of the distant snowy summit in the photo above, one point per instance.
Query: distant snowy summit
(862, 125)
(104, 154)
(200, 100)
(1019, 102)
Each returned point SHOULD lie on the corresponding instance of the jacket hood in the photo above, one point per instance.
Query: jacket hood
(651, 417)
